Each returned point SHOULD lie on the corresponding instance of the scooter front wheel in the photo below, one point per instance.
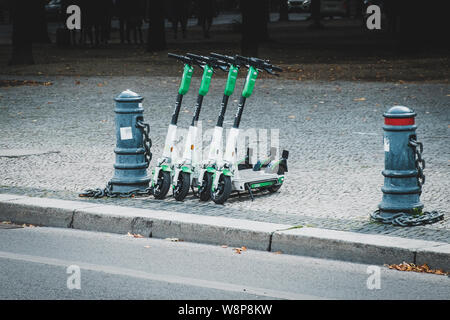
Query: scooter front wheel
(162, 186)
(223, 191)
(205, 192)
(181, 190)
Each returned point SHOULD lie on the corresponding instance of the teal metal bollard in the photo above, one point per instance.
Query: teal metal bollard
(402, 187)
(132, 160)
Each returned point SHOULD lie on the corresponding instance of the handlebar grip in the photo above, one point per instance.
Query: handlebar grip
(173, 55)
(196, 57)
(211, 61)
(242, 58)
(225, 58)
(275, 68)
(181, 58)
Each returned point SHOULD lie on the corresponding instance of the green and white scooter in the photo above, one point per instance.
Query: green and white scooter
(162, 173)
(186, 170)
(209, 166)
(229, 177)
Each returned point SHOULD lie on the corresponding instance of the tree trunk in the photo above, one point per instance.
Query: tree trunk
(40, 30)
(254, 25)
(284, 11)
(315, 14)
(156, 29)
(22, 35)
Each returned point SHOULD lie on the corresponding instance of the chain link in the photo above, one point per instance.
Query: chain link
(404, 219)
(145, 127)
(419, 161)
(107, 191)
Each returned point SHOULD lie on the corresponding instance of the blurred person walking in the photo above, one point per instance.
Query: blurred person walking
(180, 14)
(207, 11)
(135, 19)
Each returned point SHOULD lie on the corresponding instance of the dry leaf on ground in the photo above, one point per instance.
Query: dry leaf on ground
(412, 267)
(135, 235)
(173, 239)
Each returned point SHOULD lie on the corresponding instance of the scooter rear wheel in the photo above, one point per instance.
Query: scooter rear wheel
(223, 191)
(162, 186)
(205, 193)
(181, 190)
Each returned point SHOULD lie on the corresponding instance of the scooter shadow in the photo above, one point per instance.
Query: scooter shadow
(245, 196)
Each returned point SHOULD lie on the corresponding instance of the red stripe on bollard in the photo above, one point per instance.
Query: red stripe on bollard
(399, 121)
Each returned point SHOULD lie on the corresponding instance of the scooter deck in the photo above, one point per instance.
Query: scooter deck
(249, 179)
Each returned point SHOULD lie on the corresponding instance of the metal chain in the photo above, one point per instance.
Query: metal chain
(107, 191)
(145, 127)
(419, 161)
(404, 219)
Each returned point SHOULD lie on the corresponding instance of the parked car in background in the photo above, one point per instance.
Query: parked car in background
(306, 5)
(334, 8)
(295, 5)
(53, 10)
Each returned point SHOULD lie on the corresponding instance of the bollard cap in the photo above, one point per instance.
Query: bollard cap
(399, 116)
(128, 96)
(399, 112)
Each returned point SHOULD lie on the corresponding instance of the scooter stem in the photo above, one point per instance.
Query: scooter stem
(184, 88)
(176, 111)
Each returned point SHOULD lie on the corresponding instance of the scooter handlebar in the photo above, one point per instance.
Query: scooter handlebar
(184, 59)
(210, 61)
(259, 64)
(228, 59)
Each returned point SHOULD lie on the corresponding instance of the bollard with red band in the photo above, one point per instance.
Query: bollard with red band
(402, 174)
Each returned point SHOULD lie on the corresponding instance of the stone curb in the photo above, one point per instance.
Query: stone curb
(321, 243)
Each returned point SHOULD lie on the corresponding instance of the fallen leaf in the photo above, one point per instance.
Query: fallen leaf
(244, 248)
(414, 268)
(278, 252)
(291, 117)
(224, 246)
(359, 99)
(28, 225)
(135, 235)
(173, 239)
(146, 246)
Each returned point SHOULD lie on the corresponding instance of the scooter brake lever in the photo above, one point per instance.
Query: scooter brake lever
(270, 71)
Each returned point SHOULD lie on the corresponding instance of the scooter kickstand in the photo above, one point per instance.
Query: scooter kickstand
(249, 191)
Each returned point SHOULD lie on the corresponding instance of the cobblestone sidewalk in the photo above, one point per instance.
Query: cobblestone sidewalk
(332, 130)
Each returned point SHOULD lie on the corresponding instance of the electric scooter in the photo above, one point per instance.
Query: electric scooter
(186, 170)
(228, 177)
(208, 167)
(162, 173)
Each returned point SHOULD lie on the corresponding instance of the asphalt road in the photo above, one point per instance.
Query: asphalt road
(35, 262)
